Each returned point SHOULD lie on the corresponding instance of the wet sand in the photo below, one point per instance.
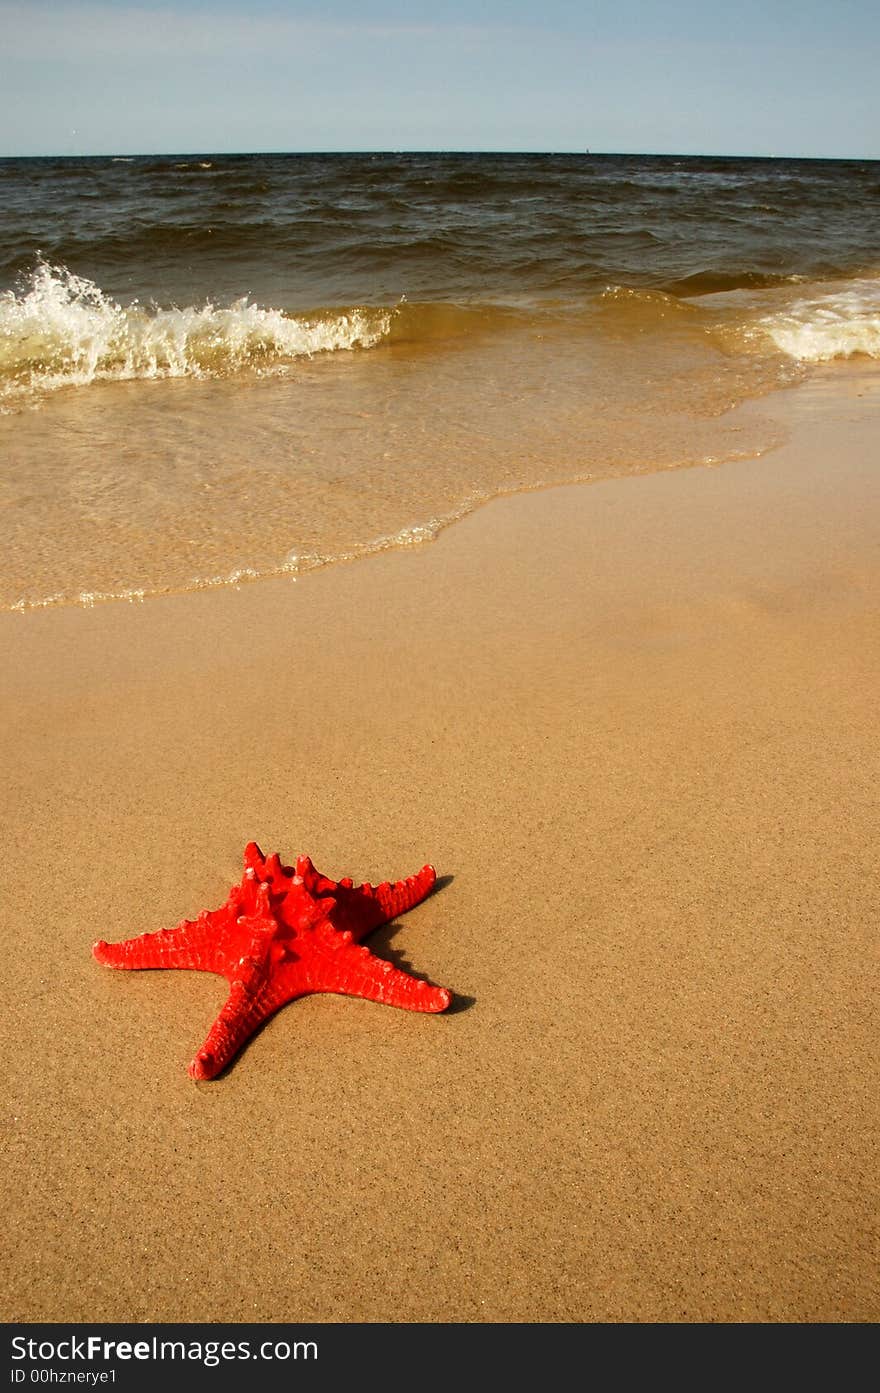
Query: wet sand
(634, 726)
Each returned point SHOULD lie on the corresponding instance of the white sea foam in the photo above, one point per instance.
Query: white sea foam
(62, 330)
(839, 323)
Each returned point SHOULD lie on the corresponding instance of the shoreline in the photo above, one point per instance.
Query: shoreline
(633, 726)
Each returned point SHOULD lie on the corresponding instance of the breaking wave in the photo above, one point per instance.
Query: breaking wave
(843, 322)
(62, 330)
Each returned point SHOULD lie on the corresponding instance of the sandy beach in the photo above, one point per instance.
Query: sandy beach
(634, 727)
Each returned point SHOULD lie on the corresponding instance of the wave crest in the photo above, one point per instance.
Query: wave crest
(62, 330)
(839, 323)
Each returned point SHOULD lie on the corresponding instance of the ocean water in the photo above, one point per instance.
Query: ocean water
(215, 368)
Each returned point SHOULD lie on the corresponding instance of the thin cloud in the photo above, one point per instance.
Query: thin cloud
(75, 31)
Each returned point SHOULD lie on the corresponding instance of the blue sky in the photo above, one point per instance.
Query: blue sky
(783, 77)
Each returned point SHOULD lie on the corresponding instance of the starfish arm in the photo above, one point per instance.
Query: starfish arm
(194, 943)
(403, 894)
(244, 1011)
(352, 970)
(362, 908)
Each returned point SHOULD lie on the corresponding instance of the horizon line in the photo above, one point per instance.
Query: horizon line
(456, 150)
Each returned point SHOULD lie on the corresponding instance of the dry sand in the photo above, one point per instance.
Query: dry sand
(634, 726)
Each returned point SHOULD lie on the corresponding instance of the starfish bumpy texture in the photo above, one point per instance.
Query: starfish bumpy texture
(281, 934)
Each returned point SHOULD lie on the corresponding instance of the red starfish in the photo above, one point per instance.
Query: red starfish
(282, 934)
